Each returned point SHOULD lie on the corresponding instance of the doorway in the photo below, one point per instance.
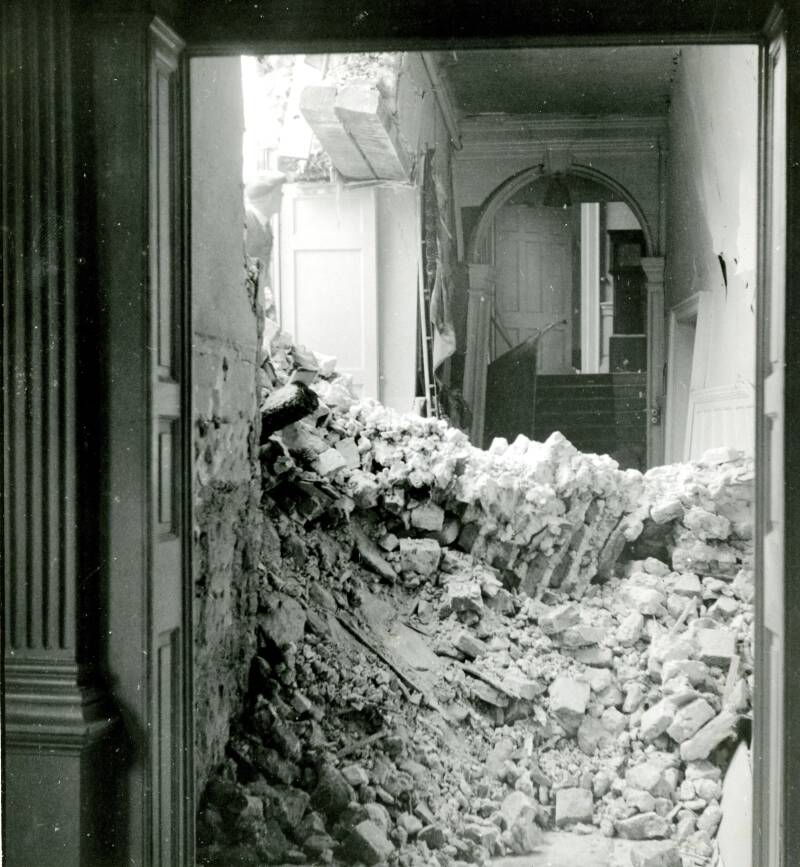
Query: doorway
(682, 341)
(224, 372)
(117, 163)
(534, 253)
(520, 253)
(595, 391)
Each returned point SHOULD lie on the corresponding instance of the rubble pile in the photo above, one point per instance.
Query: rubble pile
(464, 649)
(541, 514)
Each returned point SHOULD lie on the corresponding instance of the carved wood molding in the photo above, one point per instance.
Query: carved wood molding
(492, 137)
(50, 701)
(48, 707)
(39, 338)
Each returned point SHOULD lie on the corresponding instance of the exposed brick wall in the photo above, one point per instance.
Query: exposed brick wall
(231, 542)
(228, 538)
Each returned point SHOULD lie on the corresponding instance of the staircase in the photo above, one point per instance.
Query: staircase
(603, 413)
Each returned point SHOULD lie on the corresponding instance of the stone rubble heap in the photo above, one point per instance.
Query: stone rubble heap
(588, 649)
(541, 514)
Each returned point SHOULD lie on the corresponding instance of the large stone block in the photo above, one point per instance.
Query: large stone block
(581, 636)
(573, 805)
(644, 826)
(420, 555)
(646, 776)
(709, 737)
(645, 600)
(285, 622)
(333, 793)
(469, 645)
(657, 719)
(568, 700)
(368, 844)
(558, 619)
(464, 596)
(716, 646)
(592, 736)
(630, 629)
(689, 719)
(705, 524)
(659, 854)
(428, 516)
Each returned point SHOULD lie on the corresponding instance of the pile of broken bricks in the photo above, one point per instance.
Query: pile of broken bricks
(591, 630)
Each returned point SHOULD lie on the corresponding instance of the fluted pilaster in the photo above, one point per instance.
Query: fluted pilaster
(53, 711)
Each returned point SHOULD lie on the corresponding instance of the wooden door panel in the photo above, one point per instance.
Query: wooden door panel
(328, 276)
(533, 257)
(168, 710)
(169, 753)
(508, 275)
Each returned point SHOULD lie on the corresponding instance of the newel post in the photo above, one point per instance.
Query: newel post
(606, 330)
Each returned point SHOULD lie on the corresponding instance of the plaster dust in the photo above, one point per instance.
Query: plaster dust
(456, 656)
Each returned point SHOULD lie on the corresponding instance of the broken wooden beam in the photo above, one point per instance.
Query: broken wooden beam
(285, 405)
(317, 107)
(369, 123)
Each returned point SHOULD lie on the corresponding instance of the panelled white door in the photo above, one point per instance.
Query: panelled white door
(328, 284)
(533, 260)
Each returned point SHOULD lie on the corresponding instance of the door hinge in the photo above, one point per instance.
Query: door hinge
(655, 414)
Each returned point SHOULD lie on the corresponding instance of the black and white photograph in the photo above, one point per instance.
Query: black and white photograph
(397, 459)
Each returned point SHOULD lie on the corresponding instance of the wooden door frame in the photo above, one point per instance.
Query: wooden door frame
(99, 309)
(783, 595)
(656, 26)
(686, 311)
(124, 50)
(247, 27)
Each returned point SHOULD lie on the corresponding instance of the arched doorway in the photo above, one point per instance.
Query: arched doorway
(476, 249)
(566, 282)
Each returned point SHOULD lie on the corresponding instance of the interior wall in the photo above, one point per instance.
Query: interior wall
(233, 539)
(229, 531)
(496, 149)
(712, 218)
(398, 252)
(423, 127)
(397, 238)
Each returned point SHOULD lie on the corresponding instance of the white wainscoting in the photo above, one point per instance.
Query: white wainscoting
(720, 416)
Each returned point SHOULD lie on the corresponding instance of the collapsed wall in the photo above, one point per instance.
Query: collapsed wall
(458, 649)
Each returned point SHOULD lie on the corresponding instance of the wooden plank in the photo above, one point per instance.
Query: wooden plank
(317, 107)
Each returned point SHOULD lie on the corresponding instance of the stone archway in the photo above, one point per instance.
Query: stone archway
(481, 301)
